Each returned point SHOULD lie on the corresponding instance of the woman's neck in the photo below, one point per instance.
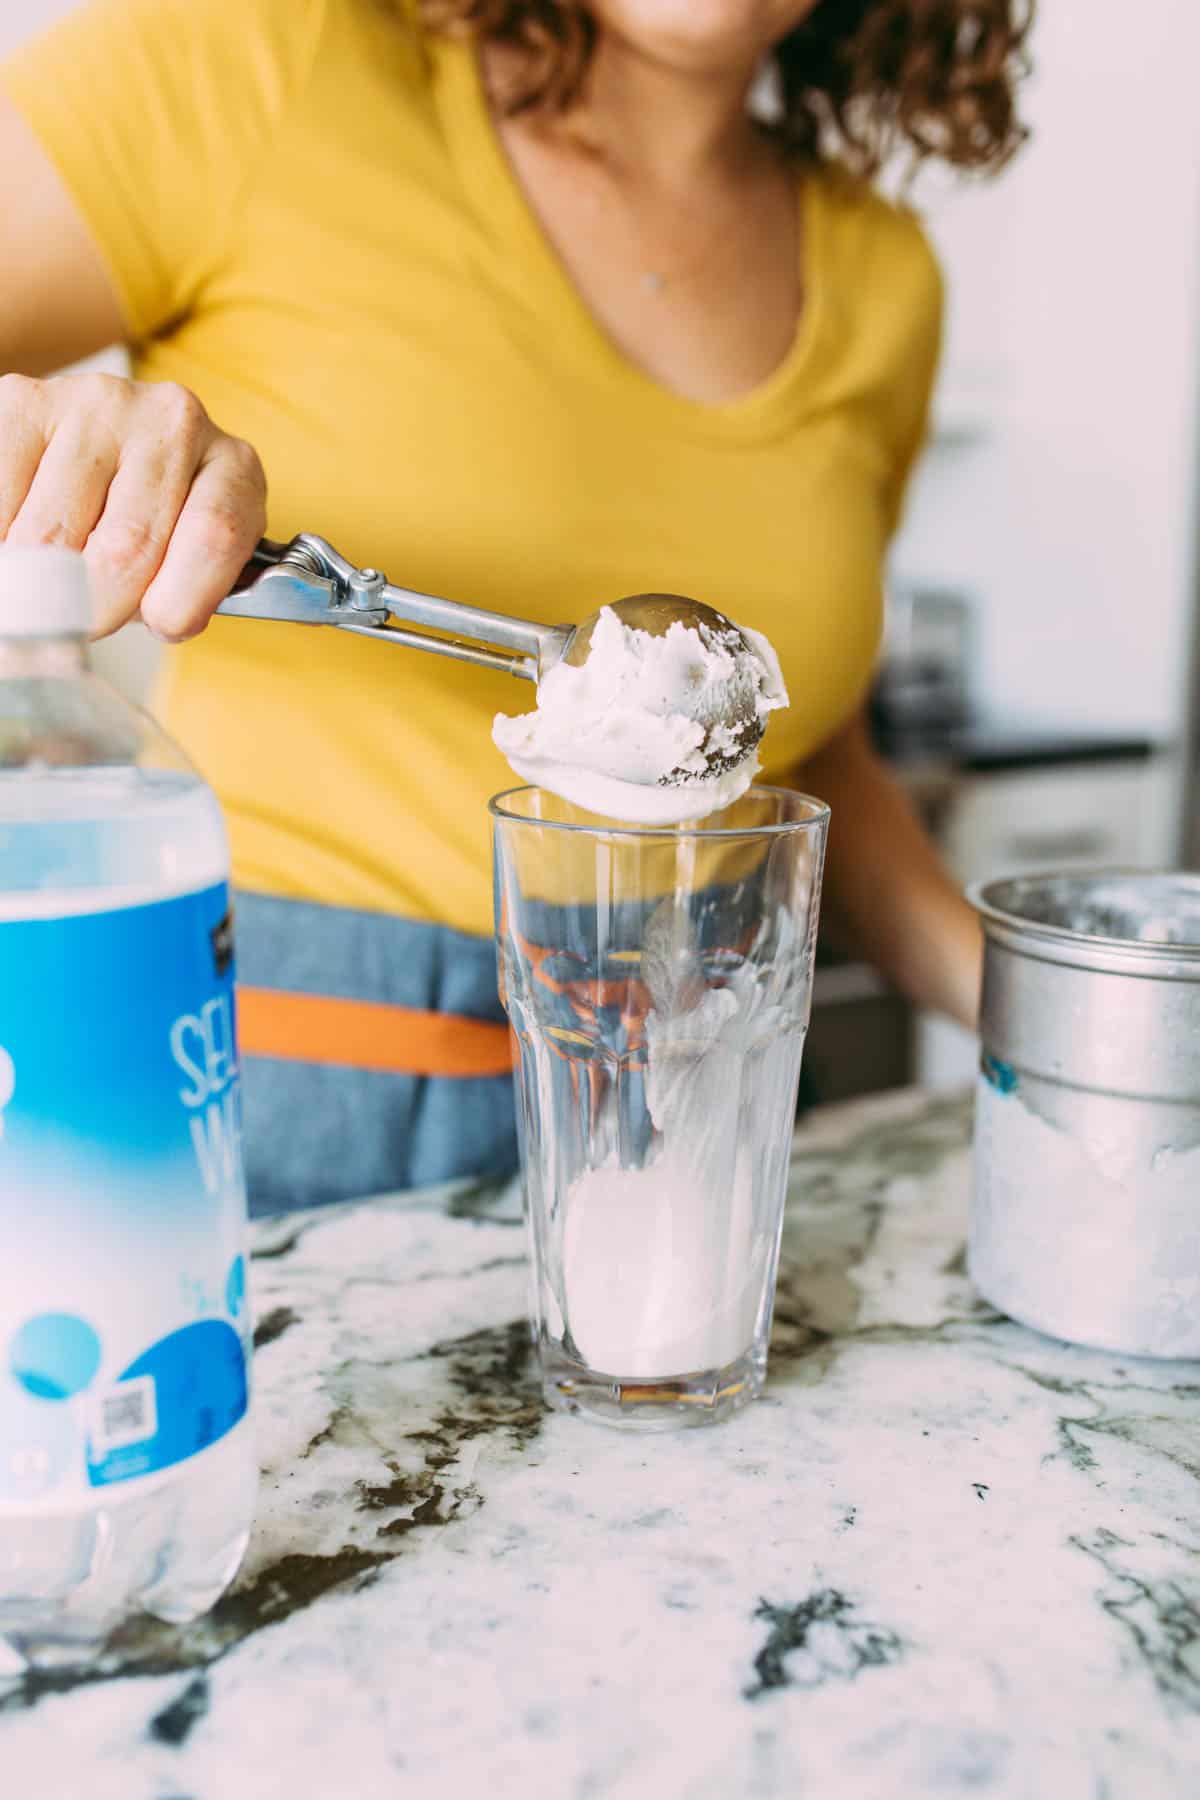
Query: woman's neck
(675, 218)
(662, 124)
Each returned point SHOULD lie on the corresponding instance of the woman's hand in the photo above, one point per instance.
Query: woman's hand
(166, 507)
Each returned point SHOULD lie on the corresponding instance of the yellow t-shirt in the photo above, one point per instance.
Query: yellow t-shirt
(311, 223)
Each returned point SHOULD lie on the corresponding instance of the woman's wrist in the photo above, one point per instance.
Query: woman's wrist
(957, 982)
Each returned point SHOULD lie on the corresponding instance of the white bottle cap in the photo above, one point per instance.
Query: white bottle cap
(44, 592)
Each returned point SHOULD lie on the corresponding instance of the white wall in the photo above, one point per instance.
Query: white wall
(21, 18)
(1072, 361)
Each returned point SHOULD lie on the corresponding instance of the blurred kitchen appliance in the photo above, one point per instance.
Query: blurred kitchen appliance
(1000, 798)
(923, 682)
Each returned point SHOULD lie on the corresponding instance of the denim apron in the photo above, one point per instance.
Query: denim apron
(375, 1054)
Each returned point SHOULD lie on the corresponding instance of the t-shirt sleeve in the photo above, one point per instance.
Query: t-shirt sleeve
(155, 114)
(920, 300)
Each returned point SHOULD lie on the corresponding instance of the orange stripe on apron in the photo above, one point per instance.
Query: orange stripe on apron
(363, 1034)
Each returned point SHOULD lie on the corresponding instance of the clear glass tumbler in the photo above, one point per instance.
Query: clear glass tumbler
(658, 985)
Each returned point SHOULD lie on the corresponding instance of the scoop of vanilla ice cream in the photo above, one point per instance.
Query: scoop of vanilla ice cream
(634, 731)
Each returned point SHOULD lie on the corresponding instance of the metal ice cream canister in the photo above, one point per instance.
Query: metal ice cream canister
(1085, 1220)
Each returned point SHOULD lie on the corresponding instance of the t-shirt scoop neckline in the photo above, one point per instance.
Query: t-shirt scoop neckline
(490, 180)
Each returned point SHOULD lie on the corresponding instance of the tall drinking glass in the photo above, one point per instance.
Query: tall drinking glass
(658, 985)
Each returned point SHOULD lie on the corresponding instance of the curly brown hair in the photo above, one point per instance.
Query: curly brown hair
(857, 78)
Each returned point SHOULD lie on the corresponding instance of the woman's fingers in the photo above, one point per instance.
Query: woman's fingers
(70, 485)
(166, 507)
(22, 442)
(214, 537)
(160, 454)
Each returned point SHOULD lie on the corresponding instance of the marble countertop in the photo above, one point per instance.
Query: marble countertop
(942, 1556)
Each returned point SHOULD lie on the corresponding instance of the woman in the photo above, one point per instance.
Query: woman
(515, 300)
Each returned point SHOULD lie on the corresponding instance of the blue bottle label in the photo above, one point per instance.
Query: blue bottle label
(123, 1309)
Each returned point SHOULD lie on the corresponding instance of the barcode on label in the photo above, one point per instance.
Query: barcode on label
(125, 1414)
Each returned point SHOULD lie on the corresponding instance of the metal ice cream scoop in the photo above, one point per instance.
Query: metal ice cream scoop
(308, 582)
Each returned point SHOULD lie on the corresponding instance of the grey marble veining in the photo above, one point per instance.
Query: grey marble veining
(942, 1556)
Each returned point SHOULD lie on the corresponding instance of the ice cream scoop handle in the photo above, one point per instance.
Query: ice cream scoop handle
(308, 582)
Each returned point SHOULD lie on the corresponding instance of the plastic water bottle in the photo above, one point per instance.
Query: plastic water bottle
(127, 1468)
